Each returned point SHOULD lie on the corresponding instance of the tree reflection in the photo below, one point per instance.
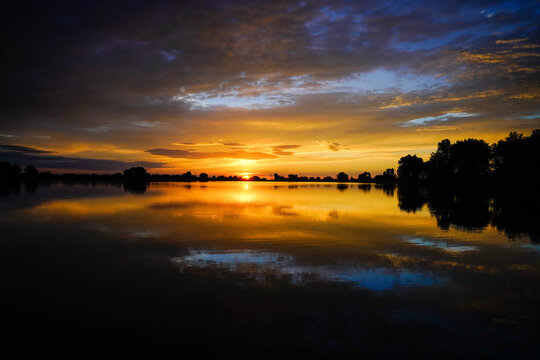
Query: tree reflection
(512, 211)
(387, 188)
(516, 214)
(411, 198)
(135, 187)
(468, 210)
(364, 187)
(8, 189)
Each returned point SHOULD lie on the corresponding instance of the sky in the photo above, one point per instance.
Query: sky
(257, 87)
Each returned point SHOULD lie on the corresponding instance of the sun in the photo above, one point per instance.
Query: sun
(246, 177)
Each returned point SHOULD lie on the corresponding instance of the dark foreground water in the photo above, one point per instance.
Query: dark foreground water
(268, 269)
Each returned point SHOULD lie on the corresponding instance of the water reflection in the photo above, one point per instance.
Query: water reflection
(512, 211)
(135, 187)
(310, 231)
(262, 266)
(304, 261)
(441, 245)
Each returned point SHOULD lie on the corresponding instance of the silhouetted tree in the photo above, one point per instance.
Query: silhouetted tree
(364, 177)
(9, 172)
(293, 177)
(470, 158)
(410, 168)
(388, 176)
(5, 169)
(188, 176)
(464, 160)
(342, 177)
(135, 173)
(517, 157)
(439, 164)
(203, 177)
(30, 172)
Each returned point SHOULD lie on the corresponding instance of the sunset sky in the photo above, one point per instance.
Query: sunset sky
(257, 87)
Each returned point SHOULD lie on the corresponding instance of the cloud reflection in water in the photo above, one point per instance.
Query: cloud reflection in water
(261, 265)
(441, 245)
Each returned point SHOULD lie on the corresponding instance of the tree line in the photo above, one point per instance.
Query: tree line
(13, 172)
(517, 157)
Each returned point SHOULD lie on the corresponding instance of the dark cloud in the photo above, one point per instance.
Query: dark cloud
(131, 57)
(24, 149)
(24, 158)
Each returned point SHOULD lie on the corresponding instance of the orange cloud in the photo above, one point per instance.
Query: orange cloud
(188, 154)
(511, 41)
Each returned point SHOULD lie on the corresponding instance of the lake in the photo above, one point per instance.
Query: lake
(269, 268)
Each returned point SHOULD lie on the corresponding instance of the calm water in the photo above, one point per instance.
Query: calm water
(305, 269)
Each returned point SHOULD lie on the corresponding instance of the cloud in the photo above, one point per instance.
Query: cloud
(212, 143)
(438, 118)
(437, 128)
(24, 149)
(334, 146)
(140, 53)
(73, 163)
(443, 97)
(531, 117)
(174, 153)
(188, 154)
(511, 41)
(498, 57)
(232, 144)
(281, 150)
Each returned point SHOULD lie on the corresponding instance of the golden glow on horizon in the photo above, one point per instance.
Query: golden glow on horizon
(352, 154)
